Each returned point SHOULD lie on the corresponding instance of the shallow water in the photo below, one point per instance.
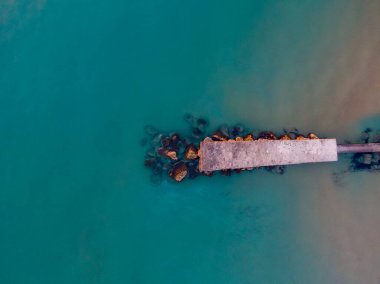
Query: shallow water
(79, 80)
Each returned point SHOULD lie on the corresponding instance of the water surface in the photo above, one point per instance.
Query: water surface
(80, 79)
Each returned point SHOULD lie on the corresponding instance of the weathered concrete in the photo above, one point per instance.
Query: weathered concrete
(215, 155)
(359, 148)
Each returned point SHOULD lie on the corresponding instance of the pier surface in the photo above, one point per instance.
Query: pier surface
(220, 155)
(359, 148)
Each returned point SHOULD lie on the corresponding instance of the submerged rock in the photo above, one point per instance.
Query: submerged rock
(202, 124)
(209, 174)
(237, 130)
(150, 162)
(224, 130)
(225, 172)
(179, 172)
(189, 118)
(196, 132)
(198, 125)
(280, 170)
(267, 135)
(367, 159)
(193, 169)
(191, 152)
(156, 140)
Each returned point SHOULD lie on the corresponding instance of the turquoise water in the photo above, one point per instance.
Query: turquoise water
(80, 79)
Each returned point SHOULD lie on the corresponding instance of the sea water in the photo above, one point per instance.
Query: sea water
(80, 79)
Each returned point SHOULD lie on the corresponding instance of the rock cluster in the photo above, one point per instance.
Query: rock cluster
(176, 155)
(367, 161)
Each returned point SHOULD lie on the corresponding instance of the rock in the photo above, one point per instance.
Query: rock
(239, 138)
(175, 139)
(185, 142)
(166, 142)
(224, 130)
(172, 155)
(225, 172)
(151, 153)
(150, 162)
(196, 132)
(249, 137)
(199, 123)
(376, 158)
(365, 137)
(291, 130)
(280, 170)
(193, 170)
(156, 140)
(167, 153)
(367, 159)
(267, 135)
(209, 174)
(219, 136)
(179, 172)
(359, 163)
(312, 136)
(375, 167)
(236, 130)
(285, 137)
(376, 138)
(202, 124)
(300, 137)
(189, 118)
(191, 152)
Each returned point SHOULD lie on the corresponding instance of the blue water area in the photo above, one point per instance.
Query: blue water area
(80, 79)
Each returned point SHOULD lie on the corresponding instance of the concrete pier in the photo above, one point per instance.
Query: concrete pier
(219, 155)
(359, 148)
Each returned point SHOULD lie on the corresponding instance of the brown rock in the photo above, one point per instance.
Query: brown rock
(179, 172)
(191, 152)
(312, 136)
(300, 137)
(285, 137)
(166, 142)
(239, 138)
(249, 137)
(175, 139)
(171, 154)
(219, 136)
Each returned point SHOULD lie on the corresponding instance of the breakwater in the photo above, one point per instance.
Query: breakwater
(175, 154)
